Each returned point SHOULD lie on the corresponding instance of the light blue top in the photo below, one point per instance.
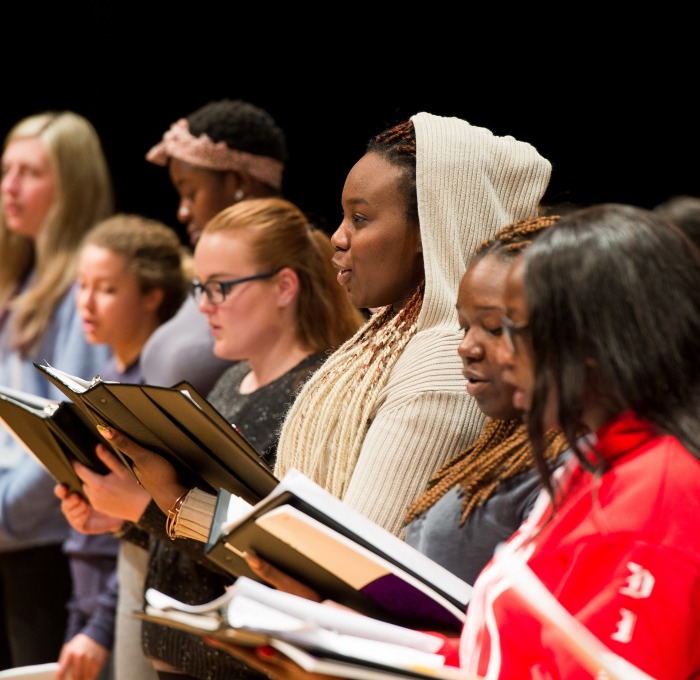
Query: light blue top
(30, 514)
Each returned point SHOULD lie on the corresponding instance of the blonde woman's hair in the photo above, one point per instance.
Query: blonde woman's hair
(153, 255)
(280, 235)
(84, 196)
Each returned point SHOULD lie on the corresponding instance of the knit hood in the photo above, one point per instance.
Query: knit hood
(470, 183)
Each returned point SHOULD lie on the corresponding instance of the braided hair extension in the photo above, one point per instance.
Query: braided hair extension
(503, 450)
(397, 145)
(326, 426)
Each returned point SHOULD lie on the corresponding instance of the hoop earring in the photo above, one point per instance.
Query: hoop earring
(239, 195)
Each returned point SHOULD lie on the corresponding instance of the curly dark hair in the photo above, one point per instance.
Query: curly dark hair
(242, 126)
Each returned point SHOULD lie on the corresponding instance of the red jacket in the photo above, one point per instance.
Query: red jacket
(621, 554)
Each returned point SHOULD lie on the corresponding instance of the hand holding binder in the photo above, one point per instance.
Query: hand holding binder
(176, 423)
(56, 434)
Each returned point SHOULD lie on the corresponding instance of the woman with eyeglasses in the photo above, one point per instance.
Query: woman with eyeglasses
(267, 287)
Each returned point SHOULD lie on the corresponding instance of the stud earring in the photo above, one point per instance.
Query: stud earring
(239, 195)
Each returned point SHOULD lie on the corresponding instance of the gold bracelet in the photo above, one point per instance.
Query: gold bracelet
(174, 516)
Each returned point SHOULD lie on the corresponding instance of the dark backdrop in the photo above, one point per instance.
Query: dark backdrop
(617, 124)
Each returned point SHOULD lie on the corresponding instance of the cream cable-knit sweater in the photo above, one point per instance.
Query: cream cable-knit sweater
(470, 183)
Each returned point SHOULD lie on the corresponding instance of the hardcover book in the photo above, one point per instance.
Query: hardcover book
(319, 540)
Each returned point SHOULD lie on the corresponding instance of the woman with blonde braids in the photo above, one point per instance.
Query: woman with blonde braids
(480, 497)
(389, 407)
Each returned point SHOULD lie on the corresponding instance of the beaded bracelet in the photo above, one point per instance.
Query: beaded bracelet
(174, 516)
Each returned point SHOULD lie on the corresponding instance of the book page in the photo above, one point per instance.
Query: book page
(237, 508)
(159, 600)
(313, 662)
(252, 615)
(40, 405)
(349, 561)
(335, 618)
(73, 381)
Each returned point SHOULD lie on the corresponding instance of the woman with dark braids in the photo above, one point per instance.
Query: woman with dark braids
(388, 407)
(480, 497)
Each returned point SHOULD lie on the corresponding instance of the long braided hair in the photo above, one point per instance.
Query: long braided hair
(503, 450)
(326, 427)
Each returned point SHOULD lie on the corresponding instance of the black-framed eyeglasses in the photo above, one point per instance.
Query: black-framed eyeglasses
(511, 331)
(216, 291)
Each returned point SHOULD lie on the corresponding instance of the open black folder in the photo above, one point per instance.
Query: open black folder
(179, 424)
(55, 433)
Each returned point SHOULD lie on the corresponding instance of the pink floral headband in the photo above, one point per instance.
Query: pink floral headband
(178, 142)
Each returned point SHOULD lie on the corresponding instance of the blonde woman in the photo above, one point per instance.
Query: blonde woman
(55, 186)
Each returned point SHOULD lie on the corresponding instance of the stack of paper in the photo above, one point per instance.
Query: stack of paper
(320, 637)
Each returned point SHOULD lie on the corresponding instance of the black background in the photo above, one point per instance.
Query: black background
(612, 108)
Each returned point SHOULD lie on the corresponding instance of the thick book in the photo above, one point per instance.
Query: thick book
(177, 423)
(55, 433)
(318, 539)
(318, 637)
